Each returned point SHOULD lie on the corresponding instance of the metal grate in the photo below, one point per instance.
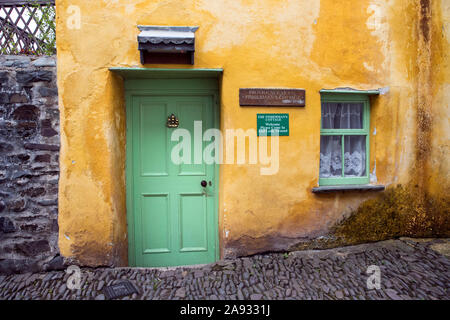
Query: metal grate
(27, 27)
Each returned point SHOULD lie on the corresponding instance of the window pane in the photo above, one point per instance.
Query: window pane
(330, 156)
(354, 156)
(342, 115)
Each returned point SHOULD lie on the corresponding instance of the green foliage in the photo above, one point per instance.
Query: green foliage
(46, 34)
(8, 39)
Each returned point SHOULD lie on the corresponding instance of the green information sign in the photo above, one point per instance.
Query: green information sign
(266, 122)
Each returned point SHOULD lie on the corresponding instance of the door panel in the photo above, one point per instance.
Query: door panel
(193, 223)
(155, 224)
(191, 111)
(175, 219)
(151, 137)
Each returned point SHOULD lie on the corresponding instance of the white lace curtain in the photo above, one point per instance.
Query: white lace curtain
(342, 116)
(331, 156)
(354, 156)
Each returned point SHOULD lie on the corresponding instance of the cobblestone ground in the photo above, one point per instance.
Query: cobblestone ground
(409, 270)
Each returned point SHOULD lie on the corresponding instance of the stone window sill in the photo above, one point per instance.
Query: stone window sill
(348, 187)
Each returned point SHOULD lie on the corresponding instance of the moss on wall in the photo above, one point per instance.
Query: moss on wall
(399, 211)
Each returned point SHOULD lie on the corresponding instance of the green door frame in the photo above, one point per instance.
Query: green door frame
(145, 81)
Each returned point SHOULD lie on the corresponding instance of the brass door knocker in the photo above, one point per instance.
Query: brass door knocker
(172, 121)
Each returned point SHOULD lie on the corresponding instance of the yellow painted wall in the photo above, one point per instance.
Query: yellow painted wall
(440, 92)
(308, 44)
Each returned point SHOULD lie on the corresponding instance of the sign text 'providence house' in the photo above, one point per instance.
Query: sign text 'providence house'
(272, 97)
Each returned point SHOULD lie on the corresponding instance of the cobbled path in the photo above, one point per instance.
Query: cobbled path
(409, 270)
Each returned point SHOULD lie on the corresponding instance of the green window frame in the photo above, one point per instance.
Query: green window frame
(364, 131)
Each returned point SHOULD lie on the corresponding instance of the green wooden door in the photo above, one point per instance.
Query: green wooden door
(174, 218)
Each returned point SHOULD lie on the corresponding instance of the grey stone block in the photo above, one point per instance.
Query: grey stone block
(6, 225)
(57, 263)
(16, 62)
(25, 77)
(44, 62)
(48, 92)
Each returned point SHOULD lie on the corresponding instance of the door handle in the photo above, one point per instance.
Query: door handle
(203, 183)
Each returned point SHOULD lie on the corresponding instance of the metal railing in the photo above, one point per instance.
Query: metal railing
(27, 27)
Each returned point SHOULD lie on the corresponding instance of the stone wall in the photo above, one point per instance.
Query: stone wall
(29, 164)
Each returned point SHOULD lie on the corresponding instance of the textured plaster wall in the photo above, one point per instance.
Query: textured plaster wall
(440, 92)
(308, 44)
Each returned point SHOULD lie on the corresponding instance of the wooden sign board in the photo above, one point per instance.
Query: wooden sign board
(271, 97)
